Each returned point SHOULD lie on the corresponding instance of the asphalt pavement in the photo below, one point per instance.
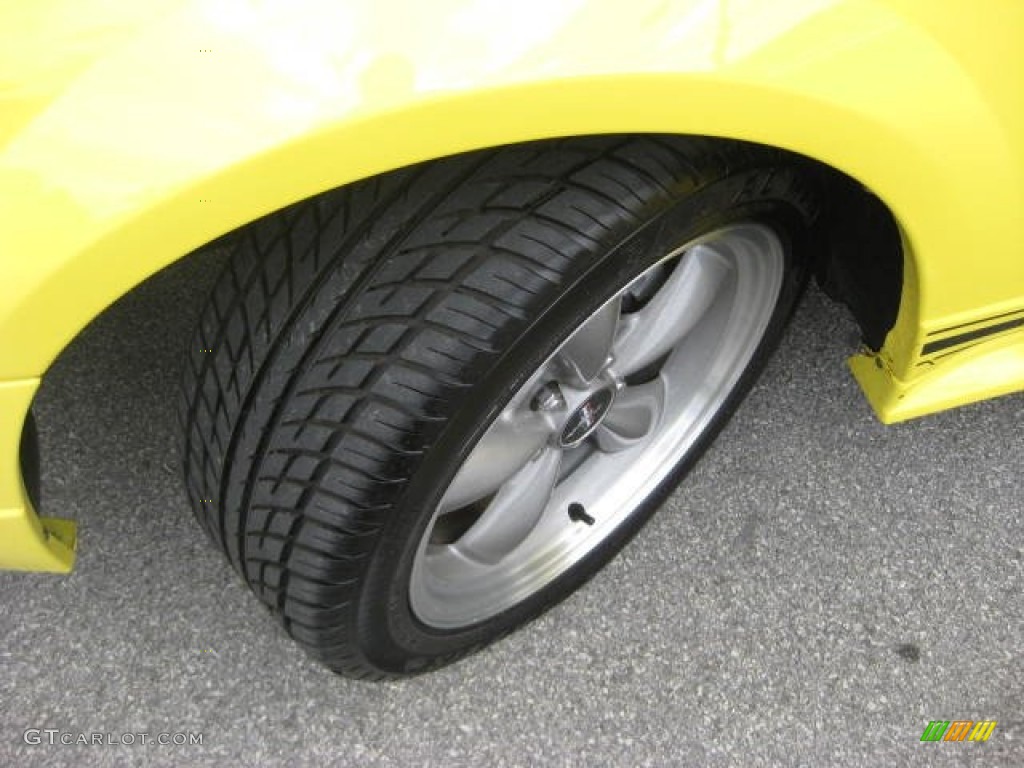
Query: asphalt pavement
(818, 590)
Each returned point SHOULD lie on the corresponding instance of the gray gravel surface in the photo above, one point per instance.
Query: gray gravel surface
(817, 590)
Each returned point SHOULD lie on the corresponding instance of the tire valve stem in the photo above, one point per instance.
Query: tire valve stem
(579, 515)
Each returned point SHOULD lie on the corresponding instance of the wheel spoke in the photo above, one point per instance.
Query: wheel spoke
(633, 416)
(502, 452)
(673, 311)
(513, 513)
(585, 353)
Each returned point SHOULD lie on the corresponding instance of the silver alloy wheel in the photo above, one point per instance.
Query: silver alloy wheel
(597, 427)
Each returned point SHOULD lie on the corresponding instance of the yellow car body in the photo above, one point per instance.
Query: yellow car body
(133, 133)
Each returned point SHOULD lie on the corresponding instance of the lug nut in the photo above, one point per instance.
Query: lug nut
(548, 398)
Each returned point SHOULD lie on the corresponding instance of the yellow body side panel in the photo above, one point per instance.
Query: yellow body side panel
(132, 133)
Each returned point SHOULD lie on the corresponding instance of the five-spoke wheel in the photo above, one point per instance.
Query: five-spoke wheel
(597, 426)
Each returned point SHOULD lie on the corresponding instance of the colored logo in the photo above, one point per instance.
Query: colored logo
(958, 730)
(586, 418)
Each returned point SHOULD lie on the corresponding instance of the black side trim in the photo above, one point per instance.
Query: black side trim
(962, 338)
(29, 454)
(1015, 313)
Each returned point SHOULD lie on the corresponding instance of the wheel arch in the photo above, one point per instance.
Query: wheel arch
(138, 242)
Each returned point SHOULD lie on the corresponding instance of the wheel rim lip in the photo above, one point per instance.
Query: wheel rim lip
(737, 328)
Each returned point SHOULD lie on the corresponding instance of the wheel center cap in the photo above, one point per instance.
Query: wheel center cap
(586, 418)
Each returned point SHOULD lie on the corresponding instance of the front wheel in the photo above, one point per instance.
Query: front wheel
(440, 400)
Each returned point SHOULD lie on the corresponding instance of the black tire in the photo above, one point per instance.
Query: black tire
(357, 344)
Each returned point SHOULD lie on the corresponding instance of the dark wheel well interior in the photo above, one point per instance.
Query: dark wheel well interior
(860, 261)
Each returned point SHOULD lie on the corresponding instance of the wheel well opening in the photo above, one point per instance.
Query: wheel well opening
(858, 260)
